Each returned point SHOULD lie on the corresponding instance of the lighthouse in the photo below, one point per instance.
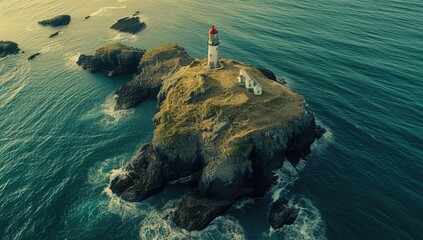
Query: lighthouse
(213, 48)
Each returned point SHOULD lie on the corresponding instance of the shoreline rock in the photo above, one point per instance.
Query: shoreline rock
(8, 48)
(60, 20)
(148, 80)
(268, 73)
(282, 213)
(194, 213)
(129, 25)
(114, 59)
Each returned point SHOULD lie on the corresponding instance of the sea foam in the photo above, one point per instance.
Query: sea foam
(105, 9)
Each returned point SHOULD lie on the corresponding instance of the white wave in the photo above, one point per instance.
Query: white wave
(103, 172)
(113, 116)
(120, 172)
(106, 9)
(119, 206)
(123, 37)
(71, 59)
(301, 165)
(308, 225)
(29, 29)
(327, 139)
(123, 208)
(155, 227)
(106, 114)
(242, 203)
(286, 176)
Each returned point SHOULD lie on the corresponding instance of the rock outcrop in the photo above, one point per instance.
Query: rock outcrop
(114, 59)
(60, 20)
(156, 65)
(268, 73)
(281, 213)
(33, 56)
(55, 34)
(208, 124)
(129, 25)
(194, 213)
(8, 48)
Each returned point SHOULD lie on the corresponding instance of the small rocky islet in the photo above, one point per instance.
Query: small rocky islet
(8, 48)
(209, 127)
(129, 24)
(60, 20)
(113, 59)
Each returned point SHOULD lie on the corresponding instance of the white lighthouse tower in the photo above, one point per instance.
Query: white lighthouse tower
(213, 48)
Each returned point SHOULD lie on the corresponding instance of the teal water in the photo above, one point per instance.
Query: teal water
(358, 63)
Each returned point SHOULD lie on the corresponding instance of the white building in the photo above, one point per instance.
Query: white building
(249, 82)
(213, 43)
(258, 89)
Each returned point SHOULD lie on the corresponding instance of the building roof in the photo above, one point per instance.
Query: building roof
(213, 30)
(247, 75)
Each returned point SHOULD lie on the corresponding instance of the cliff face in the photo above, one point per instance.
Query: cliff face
(114, 59)
(208, 124)
(155, 66)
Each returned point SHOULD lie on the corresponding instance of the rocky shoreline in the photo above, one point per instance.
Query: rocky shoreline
(233, 144)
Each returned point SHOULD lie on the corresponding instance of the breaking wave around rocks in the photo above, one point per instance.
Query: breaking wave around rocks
(223, 228)
(106, 114)
(309, 224)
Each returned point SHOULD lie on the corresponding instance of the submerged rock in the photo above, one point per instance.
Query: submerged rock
(55, 34)
(206, 123)
(33, 56)
(129, 25)
(8, 48)
(114, 59)
(281, 213)
(60, 20)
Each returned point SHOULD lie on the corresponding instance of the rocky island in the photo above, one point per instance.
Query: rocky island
(113, 59)
(210, 127)
(129, 25)
(60, 20)
(8, 48)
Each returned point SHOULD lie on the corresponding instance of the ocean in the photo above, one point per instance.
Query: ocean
(358, 63)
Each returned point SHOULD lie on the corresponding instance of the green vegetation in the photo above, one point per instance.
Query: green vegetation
(168, 130)
(212, 110)
(222, 111)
